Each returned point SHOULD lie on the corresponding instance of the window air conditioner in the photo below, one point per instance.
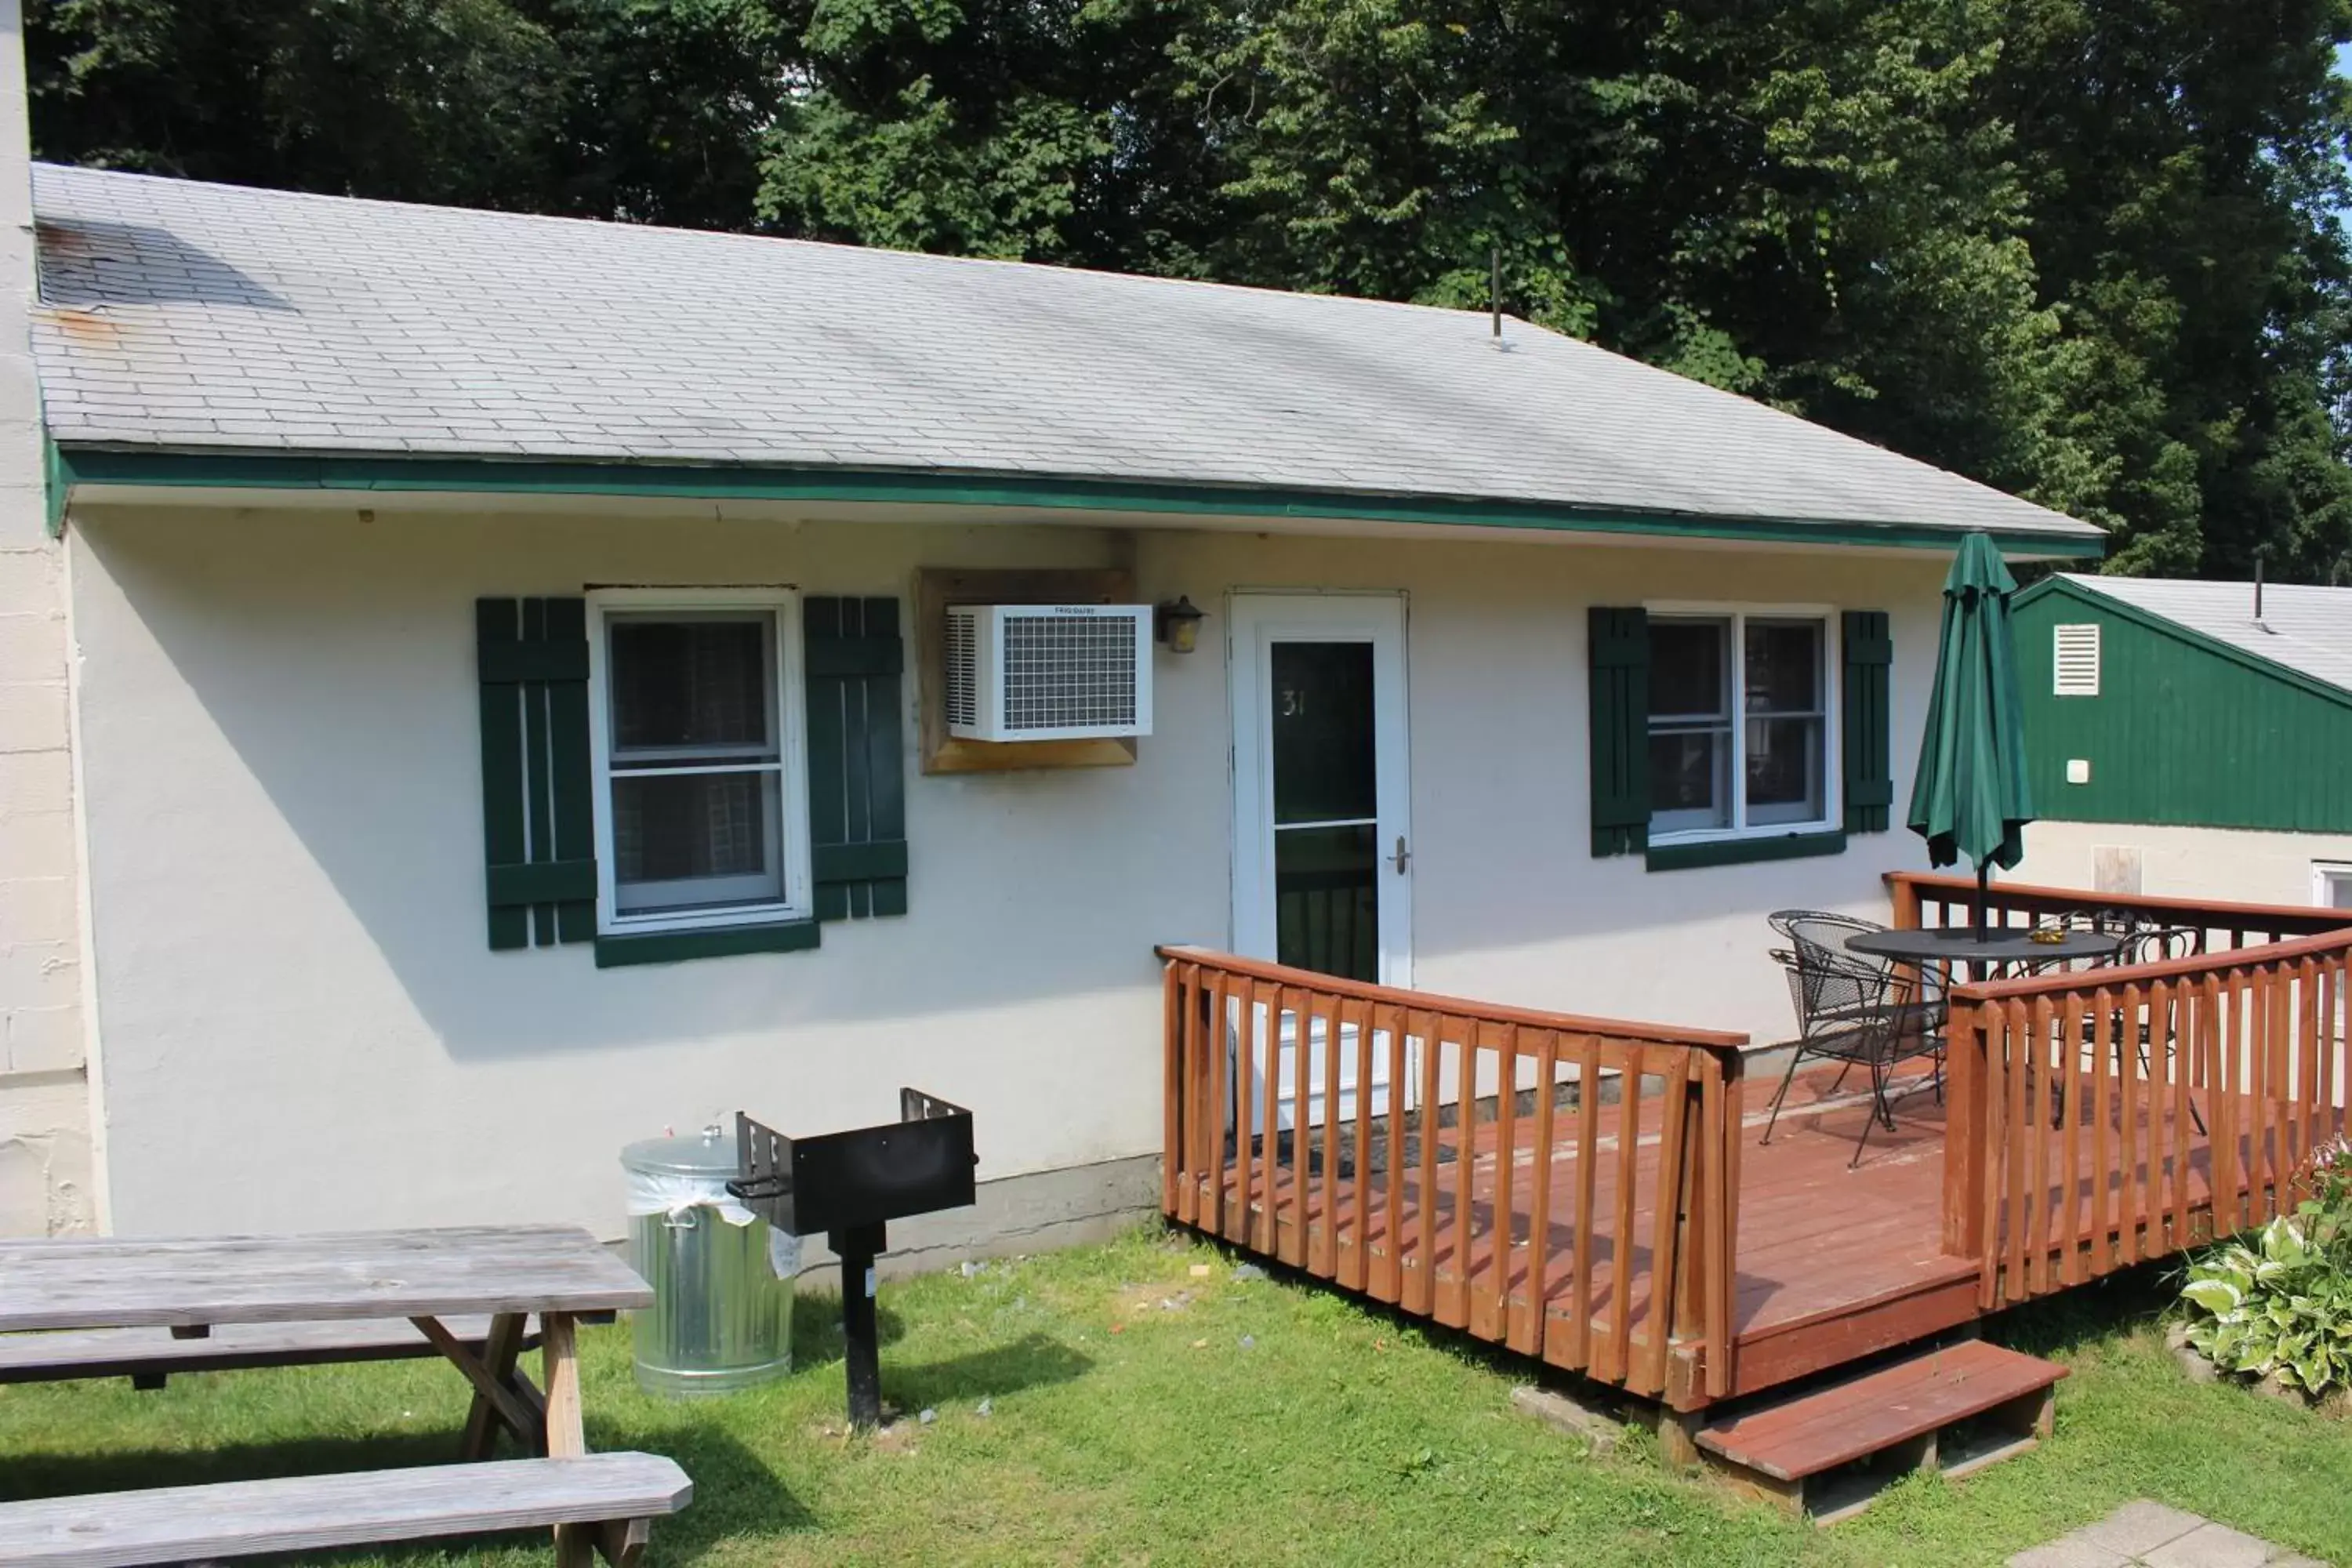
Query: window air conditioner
(1048, 673)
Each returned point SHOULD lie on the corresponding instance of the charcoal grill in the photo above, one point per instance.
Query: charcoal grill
(850, 1185)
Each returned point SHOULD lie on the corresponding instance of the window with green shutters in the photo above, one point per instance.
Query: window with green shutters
(1736, 732)
(680, 774)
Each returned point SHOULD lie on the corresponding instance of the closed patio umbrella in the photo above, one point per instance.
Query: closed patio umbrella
(1969, 797)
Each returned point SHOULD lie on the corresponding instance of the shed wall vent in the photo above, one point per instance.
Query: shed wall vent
(2076, 661)
(1048, 673)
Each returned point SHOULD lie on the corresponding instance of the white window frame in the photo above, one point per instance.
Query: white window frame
(2322, 872)
(792, 767)
(1832, 675)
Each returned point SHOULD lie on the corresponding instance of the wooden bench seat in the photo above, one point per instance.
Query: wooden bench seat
(1900, 1410)
(618, 1494)
(147, 1356)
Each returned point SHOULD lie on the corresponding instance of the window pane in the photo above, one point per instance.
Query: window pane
(1690, 779)
(696, 840)
(1326, 901)
(1784, 770)
(681, 684)
(1322, 705)
(1686, 668)
(1784, 667)
(2339, 891)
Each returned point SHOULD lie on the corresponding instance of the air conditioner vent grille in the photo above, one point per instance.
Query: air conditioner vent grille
(2076, 661)
(1068, 674)
(963, 676)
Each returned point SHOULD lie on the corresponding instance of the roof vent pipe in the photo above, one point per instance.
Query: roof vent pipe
(2258, 590)
(1495, 288)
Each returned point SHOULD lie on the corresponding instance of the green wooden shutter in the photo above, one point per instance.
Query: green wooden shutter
(1620, 660)
(533, 655)
(1869, 777)
(857, 779)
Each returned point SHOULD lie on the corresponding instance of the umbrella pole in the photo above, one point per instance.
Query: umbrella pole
(1984, 876)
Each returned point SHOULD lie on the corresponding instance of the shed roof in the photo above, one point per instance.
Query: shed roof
(2307, 630)
(193, 317)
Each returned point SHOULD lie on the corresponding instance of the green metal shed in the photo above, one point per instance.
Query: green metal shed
(2154, 701)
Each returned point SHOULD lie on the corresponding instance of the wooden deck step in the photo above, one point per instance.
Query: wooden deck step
(147, 1356)
(1905, 1412)
(307, 1514)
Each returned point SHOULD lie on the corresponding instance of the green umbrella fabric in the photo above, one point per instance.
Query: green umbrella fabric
(1971, 796)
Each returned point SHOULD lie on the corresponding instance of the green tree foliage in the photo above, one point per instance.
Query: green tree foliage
(2088, 251)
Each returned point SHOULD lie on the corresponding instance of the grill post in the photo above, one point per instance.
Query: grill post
(862, 1349)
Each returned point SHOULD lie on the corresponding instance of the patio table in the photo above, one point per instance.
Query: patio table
(507, 1272)
(1943, 945)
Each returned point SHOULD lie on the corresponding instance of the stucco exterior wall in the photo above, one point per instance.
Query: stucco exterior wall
(47, 1182)
(2186, 862)
(302, 1025)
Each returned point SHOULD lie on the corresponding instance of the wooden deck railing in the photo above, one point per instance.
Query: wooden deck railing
(2100, 1117)
(1566, 1186)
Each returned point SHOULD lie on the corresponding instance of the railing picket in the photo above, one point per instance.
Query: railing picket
(1425, 1247)
(2021, 1122)
(1666, 1249)
(2103, 1165)
(1722, 1131)
(1465, 1170)
(2066, 1099)
(1504, 1223)
(1357, 1275)
(1388, 1285)
(2145, 1113)
(2261, 1047)
(2223, 1033)
(1302, 1123)
(2179, 1056)
(1621, 1241)
(1174, 1043)
(1587, 1162)
(1532, 1324)
(1327, 1168)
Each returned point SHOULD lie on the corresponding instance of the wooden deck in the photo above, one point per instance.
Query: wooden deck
(1598, 1195)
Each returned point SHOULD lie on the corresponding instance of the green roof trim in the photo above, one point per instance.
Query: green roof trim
(2164, 625)
(57, 483)
(497, 476)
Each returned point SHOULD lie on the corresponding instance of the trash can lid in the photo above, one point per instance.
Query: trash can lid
(710, 1152)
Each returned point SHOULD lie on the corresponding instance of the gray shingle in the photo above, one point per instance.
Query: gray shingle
(372, 326)
(2307, 630)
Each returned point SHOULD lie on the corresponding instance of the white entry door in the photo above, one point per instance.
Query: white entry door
(1322, 834)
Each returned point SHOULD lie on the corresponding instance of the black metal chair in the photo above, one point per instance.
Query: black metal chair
(1846, 1013)
(2145, 944)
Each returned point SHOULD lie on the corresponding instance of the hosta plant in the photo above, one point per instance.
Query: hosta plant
(2278, 1305)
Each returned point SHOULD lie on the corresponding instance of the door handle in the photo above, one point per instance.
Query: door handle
(1403, 857)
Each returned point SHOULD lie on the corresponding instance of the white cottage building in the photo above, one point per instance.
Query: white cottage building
(509, 712)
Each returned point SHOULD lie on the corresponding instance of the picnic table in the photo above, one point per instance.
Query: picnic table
(506, 1274)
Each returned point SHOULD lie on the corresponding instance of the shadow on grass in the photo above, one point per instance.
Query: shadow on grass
(1033, 1361)
(731, 1485)
(817, 1339)
(2094, 1310)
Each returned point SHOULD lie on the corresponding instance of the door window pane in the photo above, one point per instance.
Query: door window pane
(1321, 703)
(1326, 899)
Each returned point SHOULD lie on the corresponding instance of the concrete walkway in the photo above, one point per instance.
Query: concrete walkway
(2154, 1536)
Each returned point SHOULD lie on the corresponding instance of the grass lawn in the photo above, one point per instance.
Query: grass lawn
(1254, 1421)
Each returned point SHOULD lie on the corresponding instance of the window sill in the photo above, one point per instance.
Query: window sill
(1691, 856)
(710, 942)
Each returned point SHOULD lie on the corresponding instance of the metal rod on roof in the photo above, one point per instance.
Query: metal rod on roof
(2258, 590)
(1495, 288)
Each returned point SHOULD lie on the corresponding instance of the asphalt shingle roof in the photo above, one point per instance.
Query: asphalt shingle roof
(196, 317)
(2308, 629)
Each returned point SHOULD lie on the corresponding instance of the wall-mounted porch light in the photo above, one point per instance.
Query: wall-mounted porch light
(1178, 626)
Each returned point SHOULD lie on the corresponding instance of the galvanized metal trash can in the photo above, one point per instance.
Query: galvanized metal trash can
(722, 1276)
